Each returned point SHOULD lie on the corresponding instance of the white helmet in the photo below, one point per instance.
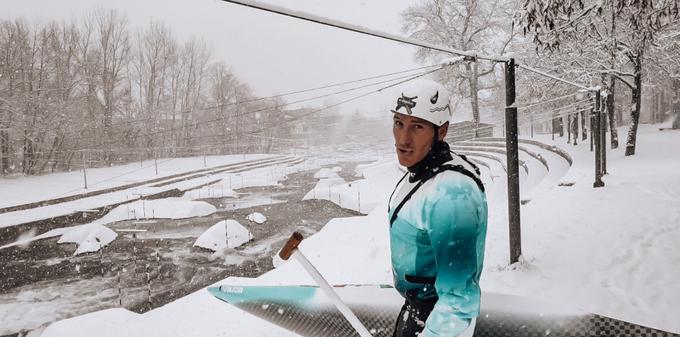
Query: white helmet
(425, 99)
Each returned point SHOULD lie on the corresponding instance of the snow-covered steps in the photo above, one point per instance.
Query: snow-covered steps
(542, 164)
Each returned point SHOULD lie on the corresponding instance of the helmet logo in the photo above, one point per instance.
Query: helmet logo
(406, 102)
(434, 98)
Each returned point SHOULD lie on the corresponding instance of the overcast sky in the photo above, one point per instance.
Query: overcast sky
(271, 53)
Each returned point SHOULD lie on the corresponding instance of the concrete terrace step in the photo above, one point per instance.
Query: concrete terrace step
(533, 155)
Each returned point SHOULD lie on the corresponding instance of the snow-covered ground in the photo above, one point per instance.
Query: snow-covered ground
(216, 185)
(609, 250)
(93, 236)
(31, 189)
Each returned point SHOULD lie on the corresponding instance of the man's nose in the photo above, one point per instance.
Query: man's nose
(404, 137)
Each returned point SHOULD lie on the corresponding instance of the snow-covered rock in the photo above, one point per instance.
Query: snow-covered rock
(222, 235)
(257, 217)
(89, 238)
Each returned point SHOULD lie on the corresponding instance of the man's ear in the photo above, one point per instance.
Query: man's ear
(442, 131)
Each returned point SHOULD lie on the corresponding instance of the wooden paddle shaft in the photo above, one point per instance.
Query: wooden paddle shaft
(290, 245)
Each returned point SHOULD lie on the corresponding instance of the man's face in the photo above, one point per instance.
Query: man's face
(412, 138)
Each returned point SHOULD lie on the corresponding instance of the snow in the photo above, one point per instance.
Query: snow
(36, 188)
(609, 250)
(256, 217)
(114, 319)
(213, 185)
(93, 236)
(169, 208)
(218, 190)
(88, 238)
(326, 173)
(362, 195)
(222, 235)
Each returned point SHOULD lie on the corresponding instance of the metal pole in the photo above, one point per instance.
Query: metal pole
(603, 138)
(598, 141)
(359, 200)
(84, 170)
(120, 293)
(512, 151)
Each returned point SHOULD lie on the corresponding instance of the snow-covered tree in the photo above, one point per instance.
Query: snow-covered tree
(88, 93)
(469, 25)
(154, 54)
(112, 48)
(634, 24)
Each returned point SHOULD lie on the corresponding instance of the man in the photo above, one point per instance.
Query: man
(438, 217)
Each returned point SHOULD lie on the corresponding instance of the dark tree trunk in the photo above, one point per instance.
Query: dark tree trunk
(4, 146)
(612, 113)
(474, 94)
(4, 151)
(584, 131)
(28, 155)
(675, 108)
(636, 102)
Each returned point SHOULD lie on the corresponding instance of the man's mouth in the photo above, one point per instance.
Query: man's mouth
(404, 151)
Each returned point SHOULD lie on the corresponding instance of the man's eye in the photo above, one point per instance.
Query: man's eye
(398, 123)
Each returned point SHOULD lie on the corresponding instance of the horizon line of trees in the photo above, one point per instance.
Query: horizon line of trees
(91, 91)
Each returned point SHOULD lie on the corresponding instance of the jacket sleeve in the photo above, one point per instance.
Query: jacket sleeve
(457, 229)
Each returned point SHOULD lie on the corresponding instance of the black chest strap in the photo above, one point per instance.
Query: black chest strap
(440, 169)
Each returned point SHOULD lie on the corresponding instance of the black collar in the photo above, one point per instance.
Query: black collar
(426, 168)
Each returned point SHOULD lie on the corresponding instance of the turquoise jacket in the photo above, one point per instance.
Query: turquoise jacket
(437, 244)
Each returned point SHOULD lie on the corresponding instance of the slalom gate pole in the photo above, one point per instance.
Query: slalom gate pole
(290, 249)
